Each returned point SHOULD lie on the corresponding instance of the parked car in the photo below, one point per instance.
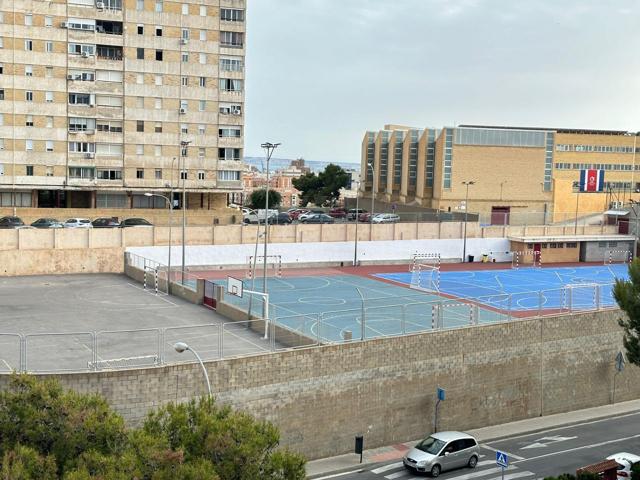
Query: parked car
(105, 222)
(47, 223)
(337, 213)
(11, 222)
(353, 213)
(364, 217)
(135, 222)
(295, 214)
(308, 213)
(318, 218)
(442, 451)
(386, 218)
(625, 462)
(78, 223)
(282, 218)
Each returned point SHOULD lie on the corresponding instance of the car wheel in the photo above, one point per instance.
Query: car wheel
(435, 471)
(473, 461)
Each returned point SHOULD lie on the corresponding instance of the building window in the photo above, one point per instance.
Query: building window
(201, 152)
(49, 122)
(158, 103)
(231, 15)
(158, 174)
(48, 96)
(158, 6)
(228, 175)
(203, 81)
(140, 78)
(203, 58)
(184, 81)
(158, 31)
(184, 128)
(140, 29)
(203, 11)
(48, 21)
(29, 121)
(185, 9)
(231, 39)
(185, 57)
(184, 105)
(140, 173)
(158, 127)
(28, 70)
(29, 170)
(203, 35)
(1, 93)
(140, 53)
(28, 145)
(28, 96)
(140, 5)
(231, 64)
(28, 45)
(139, 125)
(48, 47)
(159, 55)
(202, 105)
(158, 79)
(157, 150)
(233, 132)
(28, 20)
(201, 129)
(183, 175)
(200, 175)
(49, 171)
(230, 85)
(48, 72)
(49, 145)
(185, 34)
(139, 149)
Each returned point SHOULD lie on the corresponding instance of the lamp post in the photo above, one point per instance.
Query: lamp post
(466, 216)
(183, 175)
(355, 247)
(181, 347)
(269, 148)
(148, 194)
(373, 191)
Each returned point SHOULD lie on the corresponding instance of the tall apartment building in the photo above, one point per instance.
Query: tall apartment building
(532, 173)
(102, 101)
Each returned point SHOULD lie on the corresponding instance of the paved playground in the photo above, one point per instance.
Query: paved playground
(57, 316)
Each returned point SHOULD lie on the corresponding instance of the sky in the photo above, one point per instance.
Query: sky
(320, 73)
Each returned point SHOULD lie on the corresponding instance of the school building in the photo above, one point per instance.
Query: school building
(509, 175)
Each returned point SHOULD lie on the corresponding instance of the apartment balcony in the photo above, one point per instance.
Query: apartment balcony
(230, 184)
(231, 96)
(108, 137)
(81, 136)
(225, 164)
(81, 110)
(81, 62)
(230, 142)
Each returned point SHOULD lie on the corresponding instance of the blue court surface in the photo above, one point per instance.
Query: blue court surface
(531, 288)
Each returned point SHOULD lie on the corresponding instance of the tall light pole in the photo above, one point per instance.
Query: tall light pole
(269, 148)
(373, 191)
(466, 216)
(148, 194)
(181, 347)
(355, 247)
(183, 174)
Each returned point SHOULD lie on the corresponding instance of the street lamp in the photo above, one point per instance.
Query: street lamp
(373, 191)
(181, 347)
(269, 148)
(148, 194)
(466, 215)
(355, 247)
(183, 175)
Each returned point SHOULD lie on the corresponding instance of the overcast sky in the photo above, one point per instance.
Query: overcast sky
(322, 72)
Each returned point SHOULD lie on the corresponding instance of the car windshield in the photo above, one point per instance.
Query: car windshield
(430, 445)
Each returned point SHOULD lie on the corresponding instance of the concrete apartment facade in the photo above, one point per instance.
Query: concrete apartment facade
(530, 173)
(104, 100)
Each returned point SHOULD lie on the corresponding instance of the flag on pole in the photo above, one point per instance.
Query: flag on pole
(591, 180)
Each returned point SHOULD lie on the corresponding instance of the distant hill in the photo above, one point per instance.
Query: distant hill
(280, 163)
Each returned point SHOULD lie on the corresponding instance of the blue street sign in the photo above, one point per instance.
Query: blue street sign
(441, 394)
(502, 459)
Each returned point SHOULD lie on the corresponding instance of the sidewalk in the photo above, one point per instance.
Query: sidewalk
(349, 462)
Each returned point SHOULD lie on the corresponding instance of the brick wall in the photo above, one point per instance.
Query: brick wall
(321, 397)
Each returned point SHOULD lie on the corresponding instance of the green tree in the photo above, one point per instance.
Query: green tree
(627, 294)
(322, 189)
(24, 463)
(257, 199)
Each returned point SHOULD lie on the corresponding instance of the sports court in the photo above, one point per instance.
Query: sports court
(377, 301)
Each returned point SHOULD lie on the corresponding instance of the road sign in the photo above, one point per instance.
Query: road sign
(441, 394)
(502, 459)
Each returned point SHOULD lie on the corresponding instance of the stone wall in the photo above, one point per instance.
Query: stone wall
(321, 397)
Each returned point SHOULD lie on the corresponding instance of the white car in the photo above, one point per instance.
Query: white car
(625, 461)
(386, 218)
(78, 223)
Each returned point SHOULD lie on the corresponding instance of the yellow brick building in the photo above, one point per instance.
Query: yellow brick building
(516, 175)
(104, 100)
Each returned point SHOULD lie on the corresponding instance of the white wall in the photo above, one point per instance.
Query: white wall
(292, 253)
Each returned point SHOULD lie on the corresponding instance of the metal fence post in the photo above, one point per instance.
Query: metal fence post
(363, 331)
(222, 341)
(509, 300)
(403, 320)
(596, 294)
(23, 353)
(540, 299)
(570, 299)
(272, 326)
(220, 328)
(161, 345)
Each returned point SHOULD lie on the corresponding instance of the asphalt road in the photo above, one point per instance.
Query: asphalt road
(537, 455)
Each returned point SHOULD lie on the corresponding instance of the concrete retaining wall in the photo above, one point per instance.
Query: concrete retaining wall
(321, 397)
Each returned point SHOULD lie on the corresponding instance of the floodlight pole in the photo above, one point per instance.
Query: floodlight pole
(355, 248)
(373, 194)
(183, 174)
(269, 148)
(575, 228)
(466, 216)
(148, 194)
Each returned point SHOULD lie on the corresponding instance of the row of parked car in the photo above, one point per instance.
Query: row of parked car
(103, 222)
(305, 215)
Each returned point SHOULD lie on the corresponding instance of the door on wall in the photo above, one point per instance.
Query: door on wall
(623, 226)
(500, 215)
(537, 247)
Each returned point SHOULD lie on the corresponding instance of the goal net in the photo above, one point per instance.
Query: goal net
(425, 273)
(274, 266)
(617, 256)
(526, 258)
(580, 296)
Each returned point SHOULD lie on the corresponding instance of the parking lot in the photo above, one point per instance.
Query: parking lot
(64, 319)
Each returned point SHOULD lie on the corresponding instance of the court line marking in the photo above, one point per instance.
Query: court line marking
(157, 296)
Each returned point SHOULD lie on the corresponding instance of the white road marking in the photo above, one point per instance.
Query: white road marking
(386, 468)
(511, 455)
(548, 441)
(397, 475)
(336, 475)
(157, 296)
(593, 445)
(513, 475)
(486, 462)
(480, 473)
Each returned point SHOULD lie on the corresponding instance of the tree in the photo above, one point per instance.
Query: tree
(627, 294)
(257, 199)
(47, 433)
(322, 189)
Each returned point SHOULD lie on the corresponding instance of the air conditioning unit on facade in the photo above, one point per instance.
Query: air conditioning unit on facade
(616, 205)
(100, 5)
(90, 155)
(183, 111)
(237, 111)
(63, 25)
(85, 55)
(184, 41)
(69, 77)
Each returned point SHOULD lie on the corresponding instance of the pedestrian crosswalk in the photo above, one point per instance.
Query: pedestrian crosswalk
(486, 470)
